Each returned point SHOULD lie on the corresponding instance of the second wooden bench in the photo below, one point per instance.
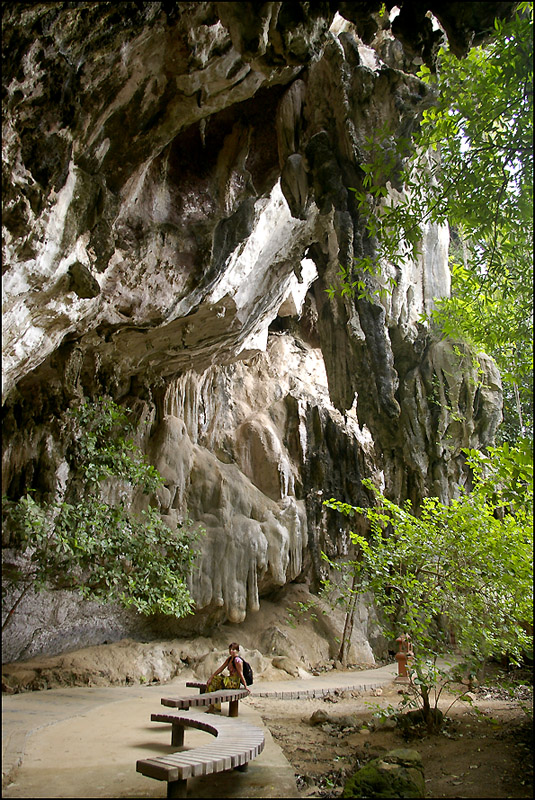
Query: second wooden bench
(230, 696)
(237, 743)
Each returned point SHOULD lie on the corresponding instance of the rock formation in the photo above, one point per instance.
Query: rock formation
(399, 773)
(177, 199)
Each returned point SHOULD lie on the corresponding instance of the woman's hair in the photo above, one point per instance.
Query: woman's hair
(234, 646)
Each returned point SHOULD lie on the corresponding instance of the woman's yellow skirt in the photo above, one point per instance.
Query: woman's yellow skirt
(222, 682)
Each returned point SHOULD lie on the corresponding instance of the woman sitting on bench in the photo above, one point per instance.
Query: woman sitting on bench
(233, 680)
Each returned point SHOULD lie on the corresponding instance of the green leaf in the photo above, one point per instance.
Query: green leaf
(106, 552)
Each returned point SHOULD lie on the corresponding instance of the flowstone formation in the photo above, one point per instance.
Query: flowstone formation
(176, 202)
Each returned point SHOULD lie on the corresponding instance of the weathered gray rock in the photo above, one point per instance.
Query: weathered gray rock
(287, 664)
(177, 200)
(121, 663)
(318, 717)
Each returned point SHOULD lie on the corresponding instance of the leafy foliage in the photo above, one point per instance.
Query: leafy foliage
(102, 549)
(495, 319)
(461, 571)
(470, 165)
(483, 129)
(504, 475)
(101, 447)
(299, 612)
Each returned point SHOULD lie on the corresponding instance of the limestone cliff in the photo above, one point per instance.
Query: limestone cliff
(176, 201)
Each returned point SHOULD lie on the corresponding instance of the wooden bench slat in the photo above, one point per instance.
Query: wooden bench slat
(190, 756)
(195, 765)
(232, 753)
(192, 767)
(207, 727)
(218, 761)
(244, 735)
(158, 769)
(196, 685)
(178, 771)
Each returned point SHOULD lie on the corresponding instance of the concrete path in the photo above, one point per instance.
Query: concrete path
(84, 742)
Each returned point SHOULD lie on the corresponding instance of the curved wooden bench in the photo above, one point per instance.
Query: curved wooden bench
(237, 743)
(230, 696)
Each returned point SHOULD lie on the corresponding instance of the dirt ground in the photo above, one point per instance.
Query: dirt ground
(484, 750)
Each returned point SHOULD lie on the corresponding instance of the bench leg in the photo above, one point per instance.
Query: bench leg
(177, 788)
(233, 708)
(177, 736)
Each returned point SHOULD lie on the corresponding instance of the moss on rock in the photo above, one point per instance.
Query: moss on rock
(399, 773)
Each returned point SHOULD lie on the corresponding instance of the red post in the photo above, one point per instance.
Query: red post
(402, 657)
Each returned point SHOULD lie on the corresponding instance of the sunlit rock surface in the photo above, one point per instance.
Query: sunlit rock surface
(177, 199)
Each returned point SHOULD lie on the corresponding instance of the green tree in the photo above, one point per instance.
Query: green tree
(100, 547)
(471, 167)
(486, 178)
(462, 570)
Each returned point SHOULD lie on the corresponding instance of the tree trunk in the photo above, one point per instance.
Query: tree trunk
(519, 409)
(348, 625)
(13, 608)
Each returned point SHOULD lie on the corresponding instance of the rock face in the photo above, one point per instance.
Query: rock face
(177, 200)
